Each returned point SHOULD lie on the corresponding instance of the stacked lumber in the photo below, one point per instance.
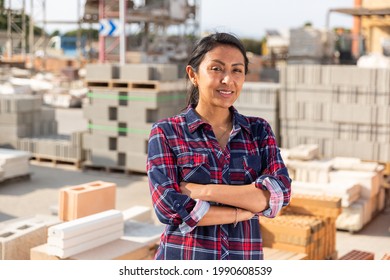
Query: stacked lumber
(86, 199)
(13, 163)
(80, 235)
(358, 255)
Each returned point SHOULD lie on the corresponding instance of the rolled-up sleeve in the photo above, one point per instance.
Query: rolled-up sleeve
(171, 206)
(274, 177)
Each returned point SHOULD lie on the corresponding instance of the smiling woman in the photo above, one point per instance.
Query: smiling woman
(212, 171)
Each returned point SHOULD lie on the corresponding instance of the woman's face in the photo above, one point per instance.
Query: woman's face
(220, 77)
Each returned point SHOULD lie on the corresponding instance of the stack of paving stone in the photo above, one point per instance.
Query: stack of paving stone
(23, 116)
(355, 182)
(343, 109)
(260, 100)
(14, 163)
(123, 103)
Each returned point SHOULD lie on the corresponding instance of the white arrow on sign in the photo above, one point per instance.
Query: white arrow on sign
(109, 27)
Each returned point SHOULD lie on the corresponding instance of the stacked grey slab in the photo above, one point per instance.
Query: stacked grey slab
(343, 109)
(123, 103)
(259, 99)
(23, 116)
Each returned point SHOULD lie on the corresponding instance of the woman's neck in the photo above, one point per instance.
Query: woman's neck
(216, 117)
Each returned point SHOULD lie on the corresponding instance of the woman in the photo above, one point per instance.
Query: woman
(212, 171)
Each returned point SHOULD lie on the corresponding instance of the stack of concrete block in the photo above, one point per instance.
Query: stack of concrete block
(260, 100)
(23, 116)
(14, 163)
(76, 236)
(56, 147)
(124, 102)
(18, 236)
(309, 45)
(357, 183)
(86, 199)
(343, 109)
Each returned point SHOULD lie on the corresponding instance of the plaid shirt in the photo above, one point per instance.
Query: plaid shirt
(184, 148)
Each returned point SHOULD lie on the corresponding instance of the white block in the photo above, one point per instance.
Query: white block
(82, 239)
(86, 224)
(65, 253)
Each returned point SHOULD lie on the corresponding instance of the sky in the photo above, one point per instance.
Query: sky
(245, 18)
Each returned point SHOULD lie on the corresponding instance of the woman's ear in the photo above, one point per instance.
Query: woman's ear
(191, 75)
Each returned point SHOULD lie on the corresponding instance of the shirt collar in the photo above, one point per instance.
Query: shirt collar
(194, 121)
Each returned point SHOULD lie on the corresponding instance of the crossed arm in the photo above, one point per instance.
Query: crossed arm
(246, 198)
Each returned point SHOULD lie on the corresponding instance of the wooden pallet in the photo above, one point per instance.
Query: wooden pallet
(149, 85)
(87, 166)
(54, 161)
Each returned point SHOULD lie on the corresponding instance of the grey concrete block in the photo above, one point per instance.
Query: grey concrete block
(101, 72)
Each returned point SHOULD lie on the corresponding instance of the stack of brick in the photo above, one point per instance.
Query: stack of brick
(124, 102)
(79, 235)
(13, 163)
(358, 255)
(86, 199)
(357, 183)
(326, 208)
(23, 116)
(260, 100)
(297, 233)
(343, 109)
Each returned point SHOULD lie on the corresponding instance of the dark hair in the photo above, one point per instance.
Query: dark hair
(203, 46)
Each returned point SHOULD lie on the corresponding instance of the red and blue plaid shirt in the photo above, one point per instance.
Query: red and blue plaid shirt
(184, 148)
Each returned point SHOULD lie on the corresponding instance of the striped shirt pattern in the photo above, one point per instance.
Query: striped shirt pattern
(184, 148)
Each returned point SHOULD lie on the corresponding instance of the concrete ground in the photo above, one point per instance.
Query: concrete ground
(39, 194)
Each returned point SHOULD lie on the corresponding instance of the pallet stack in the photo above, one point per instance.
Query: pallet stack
(260, 100)
(343, 109)
(123, 103)
(55, 148)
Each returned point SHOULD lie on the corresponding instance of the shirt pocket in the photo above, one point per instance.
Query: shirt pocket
(194, 168)
(252, 168)
(245, 169)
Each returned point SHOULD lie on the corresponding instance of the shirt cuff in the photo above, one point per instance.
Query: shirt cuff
(276, 197)
(200, 209)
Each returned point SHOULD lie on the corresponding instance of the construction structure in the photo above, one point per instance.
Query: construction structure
(124, 26)
(371, 29)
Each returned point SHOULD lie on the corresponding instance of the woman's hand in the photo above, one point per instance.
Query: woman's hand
(191, 189)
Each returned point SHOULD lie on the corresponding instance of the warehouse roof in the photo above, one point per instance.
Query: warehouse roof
(360, 11)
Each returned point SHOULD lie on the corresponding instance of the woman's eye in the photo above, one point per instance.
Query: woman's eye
(215, 68)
